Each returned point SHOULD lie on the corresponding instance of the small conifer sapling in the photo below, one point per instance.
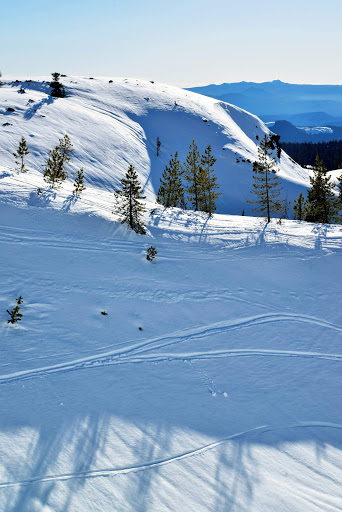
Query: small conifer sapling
(299, 207)
(54, 172)
(65, 148)
(14, 314)
(79, 183)
(158, 146)
(151, 253)
(19, 155)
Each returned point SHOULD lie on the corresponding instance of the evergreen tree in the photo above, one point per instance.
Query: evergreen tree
(158, 146)
(171, 192)
(151, 253)
(0, 78)
(192, 169)
(339, 198)
(304, 153)
(58, 90)
(266, 184)
(65, 148)
(322, 205)
(208, 183)
(274, 143)
(339, 186)
(14, 314)
(21, 152)
(54, 172)
(79, 183)
(129, 205)
(299, 207)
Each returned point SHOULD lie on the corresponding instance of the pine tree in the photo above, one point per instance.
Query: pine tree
(79, 183)
(266, 184)
(54, 172)
(14, 314)
(158, 146)
(151, 253)
(191, 169)
(322, 206)
(129, 205)
(65, 148)
(208, 183)
(58, 90)
(299, 207)
(21, 152)
(171, 192)
(339, 186)
(339, 198)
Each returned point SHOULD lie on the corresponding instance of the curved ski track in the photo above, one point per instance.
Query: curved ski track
(161, 462)
(143, 351)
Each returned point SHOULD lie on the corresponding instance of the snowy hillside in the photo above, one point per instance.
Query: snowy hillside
(116, 124)
(213, 384)
(228, 398)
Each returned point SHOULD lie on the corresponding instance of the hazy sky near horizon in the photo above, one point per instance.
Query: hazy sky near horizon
(183, 42)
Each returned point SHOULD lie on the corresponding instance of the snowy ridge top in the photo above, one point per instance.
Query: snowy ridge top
(115, 124)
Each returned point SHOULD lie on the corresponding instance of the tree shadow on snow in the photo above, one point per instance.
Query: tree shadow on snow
(31, 111)
(42, 200)
(69, 201)
(69, 443)
(320, 231)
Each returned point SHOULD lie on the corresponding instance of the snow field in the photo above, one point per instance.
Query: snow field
(229, 397)
(232, 387)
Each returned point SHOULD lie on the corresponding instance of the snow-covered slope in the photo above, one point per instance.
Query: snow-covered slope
(214, 381)
(229, 398)
(116, 124)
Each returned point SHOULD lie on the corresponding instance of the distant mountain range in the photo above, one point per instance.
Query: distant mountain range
(300, 104)
(290, 133)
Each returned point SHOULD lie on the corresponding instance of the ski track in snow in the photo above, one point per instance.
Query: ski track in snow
(143, 351)
(162, 462)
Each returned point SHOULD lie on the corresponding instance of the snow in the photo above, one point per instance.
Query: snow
(113, 125)
(316, 130)
(229, 398)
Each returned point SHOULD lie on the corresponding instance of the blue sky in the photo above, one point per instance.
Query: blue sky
(184, 42)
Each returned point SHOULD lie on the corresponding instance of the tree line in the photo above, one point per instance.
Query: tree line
(322, 204)
(304, 153)
(55, 172)
(192, 182)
